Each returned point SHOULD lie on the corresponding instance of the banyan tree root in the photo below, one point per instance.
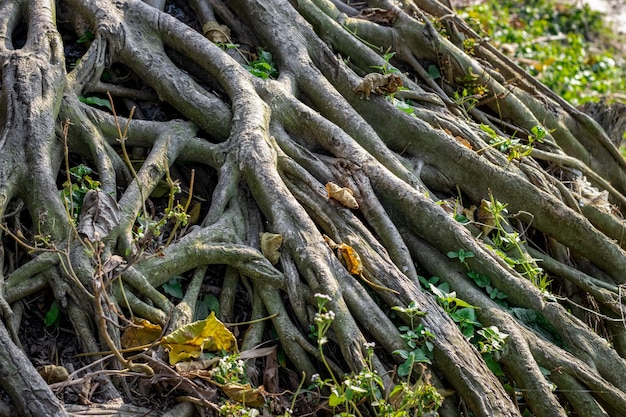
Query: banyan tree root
(370, 199)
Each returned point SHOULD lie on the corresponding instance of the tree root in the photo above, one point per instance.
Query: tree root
(273, 145)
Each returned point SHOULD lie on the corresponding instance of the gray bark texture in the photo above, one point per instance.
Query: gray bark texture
(430, 211)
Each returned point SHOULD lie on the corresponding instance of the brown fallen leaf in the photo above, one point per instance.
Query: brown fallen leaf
(380, 16)
(99, 215)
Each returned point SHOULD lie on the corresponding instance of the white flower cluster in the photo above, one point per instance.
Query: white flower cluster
(324, 317)
(321, 296)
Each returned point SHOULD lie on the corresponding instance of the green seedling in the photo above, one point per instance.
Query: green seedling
(493, 341)
(73, 193)
(263, 66)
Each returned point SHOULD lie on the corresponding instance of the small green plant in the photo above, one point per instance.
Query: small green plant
(404, 400)
(89, 36)
(461, 255)
(418, 340)
(96, 101)
(74, 190)
(263, 66)
(513, 147)
(230, 369)
(347, 393)
(205, 305)
(386, 68)
(484, 281)
(510, 242)
(493, 339)
(468, 45)
(174, 287)
(465, 100)
(402, 105)
(175, 213)
(433, 72)
(460, 311)
(481, 280)
(233, 409)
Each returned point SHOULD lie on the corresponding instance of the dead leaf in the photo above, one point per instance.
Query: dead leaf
(99, 215)
(216, 33)
(196, 366)
(270, 245)
(245, 394)
(351, 258)
(113, 262)
(271, 378)
(464, 142)
(485, 217)
(53, 373)
(190, 340)
(469, 213)
(342, 194)
(380, 16)
(257, 353)
(331, 243)
(141, 333)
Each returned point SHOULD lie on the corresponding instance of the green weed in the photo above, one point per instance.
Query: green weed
(564, 46)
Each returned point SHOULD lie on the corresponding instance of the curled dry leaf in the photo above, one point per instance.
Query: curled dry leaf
(270, 245)
(197, 365)
(351, 258)
(53, 373)
(100, 214)
(331, 243)
(342, 194)
(113, 262)
(464, 142)
(215, 32)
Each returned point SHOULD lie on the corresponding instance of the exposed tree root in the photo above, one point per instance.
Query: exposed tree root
(273, 145)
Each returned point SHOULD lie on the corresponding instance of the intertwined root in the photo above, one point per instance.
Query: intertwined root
(402, 175)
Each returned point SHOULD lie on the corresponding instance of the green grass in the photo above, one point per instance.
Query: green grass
(570, 49)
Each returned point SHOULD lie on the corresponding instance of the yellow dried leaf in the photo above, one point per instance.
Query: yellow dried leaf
(189, 341)
(244, 394)
(270, 245)
(342, 194)
(142, 333)
(351, 258)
